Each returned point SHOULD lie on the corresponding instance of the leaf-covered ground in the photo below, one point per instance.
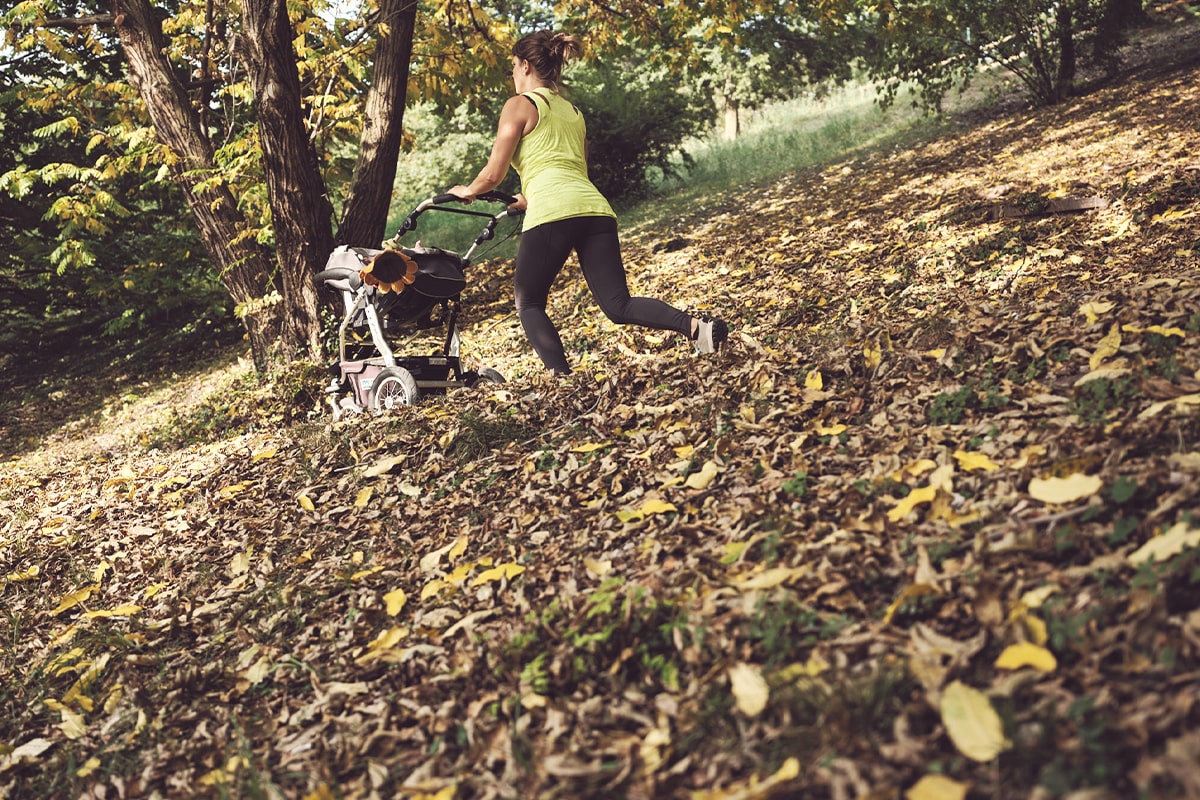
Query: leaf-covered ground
(928, 528)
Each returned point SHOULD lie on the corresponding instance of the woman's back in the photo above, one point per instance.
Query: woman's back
(551, 160)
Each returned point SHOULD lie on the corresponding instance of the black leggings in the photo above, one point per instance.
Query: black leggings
(542, 253)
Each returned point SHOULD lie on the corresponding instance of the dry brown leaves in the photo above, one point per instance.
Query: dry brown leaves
(927, 528)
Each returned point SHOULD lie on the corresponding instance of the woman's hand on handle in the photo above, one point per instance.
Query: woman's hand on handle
(463, 193)
(520, 205)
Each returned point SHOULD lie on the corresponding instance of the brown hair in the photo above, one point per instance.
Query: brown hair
(547, 52)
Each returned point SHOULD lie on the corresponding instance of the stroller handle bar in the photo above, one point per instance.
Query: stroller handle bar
(491, 197)
(453, 204)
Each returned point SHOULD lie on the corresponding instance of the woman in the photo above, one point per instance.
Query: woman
(542, 136)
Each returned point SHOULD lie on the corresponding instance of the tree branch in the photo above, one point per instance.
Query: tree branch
(75, 23)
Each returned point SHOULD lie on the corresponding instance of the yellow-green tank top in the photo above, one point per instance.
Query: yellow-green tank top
(550, 160)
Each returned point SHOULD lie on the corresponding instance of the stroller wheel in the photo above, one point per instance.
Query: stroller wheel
(393, 387)
(489, 375)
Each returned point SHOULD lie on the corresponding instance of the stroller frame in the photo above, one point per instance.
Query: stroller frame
(385, 381)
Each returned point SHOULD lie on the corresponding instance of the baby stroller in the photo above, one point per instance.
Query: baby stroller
(392, 291)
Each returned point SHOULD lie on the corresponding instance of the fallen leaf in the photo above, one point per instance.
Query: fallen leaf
(504, 571)
(970, 461)
(909, 502)
(750, 689)
(1183, 403)
(1060, 491)
(646, 509)
(73, 599)
(394, 601)
(364, 497)
(972, 722)
(118, 611)
(1107, 348)
(24, 575)
(1158, 329)
(27, 751)
(701, 479)
(1093, 310)
(1025, 654)
(73, 725)
(596, 567)
(770, 578)
(383, 466)
(911, 592)
(937, 787)
(1167, 545)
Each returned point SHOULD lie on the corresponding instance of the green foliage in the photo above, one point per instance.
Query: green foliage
(797, 485)
(1095, 400)
(637, 122)
(939, 44)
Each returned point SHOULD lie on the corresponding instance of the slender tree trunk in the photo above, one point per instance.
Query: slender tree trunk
(733, 119)
(364, 216)
(301, 214)
(1064, 85)
(244, 267)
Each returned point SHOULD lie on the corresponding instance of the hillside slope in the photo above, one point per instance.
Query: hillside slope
(930, 520)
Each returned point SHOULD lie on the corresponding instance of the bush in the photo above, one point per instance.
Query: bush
(637, 122)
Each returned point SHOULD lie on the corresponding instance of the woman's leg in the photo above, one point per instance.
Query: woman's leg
(540, 257)
(599, 253)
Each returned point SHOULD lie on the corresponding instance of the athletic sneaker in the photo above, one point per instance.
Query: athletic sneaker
(711, 335)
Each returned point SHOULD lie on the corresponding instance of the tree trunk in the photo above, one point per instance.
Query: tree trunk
(244, 267)
(1064, 85)
(733, 119)
(301, 214)
(364, 216)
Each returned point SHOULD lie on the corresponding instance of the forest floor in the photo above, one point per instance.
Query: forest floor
(928, 527)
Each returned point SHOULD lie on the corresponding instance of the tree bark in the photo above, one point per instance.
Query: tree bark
(244, 267)
(733, 119)
(301, 214)
(1064, 85)
(364, 215)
